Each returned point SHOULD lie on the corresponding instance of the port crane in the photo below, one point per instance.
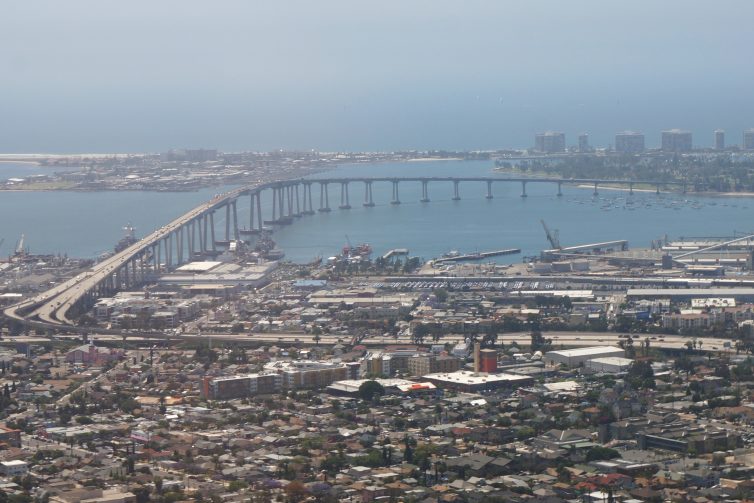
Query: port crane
(553, 237)
(20, 246)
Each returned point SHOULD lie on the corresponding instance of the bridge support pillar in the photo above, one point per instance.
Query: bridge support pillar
(523, 190)
(227, 219)
(308, 203)
(212, 229)
(425, 191)
(658, 189)
(235, 220)
(298, 201)
(395, 199)
(630, 189)
(456, 193)
(168, 251)
(281, 202)
(684, 187)
(368, 200)
(595, 193)
(191, 241)
(324, 198)
(289, 193)
(560, 189)
(345, 204)
(260, 221)
(179, 243)
(489, 190)
(201, 228)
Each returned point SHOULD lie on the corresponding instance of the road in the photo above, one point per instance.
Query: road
(522, 339)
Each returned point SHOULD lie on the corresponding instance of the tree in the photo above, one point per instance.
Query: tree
(640, 375)
(370, 389)
(419, 332)
(538, 341)
(296, 491)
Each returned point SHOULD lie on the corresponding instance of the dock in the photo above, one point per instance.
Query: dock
(479, 256)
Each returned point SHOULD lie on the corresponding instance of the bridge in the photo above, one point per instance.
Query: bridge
(194, 236)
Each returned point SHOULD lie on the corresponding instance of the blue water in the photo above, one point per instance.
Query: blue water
(86, 224)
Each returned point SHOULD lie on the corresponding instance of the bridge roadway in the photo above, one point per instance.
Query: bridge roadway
(51, 307)
(49, 310)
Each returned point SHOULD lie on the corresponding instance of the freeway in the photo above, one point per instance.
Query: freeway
(567, 339)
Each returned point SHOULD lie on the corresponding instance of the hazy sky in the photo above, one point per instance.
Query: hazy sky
(138, 75)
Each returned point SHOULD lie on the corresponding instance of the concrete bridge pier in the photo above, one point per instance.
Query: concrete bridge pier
(425, 192)
(308, 208)
(657, 187)
(298, 202)
(456, 193)
(324, 198)
(202, 225)
(630, 189)
(227, 218)
(289, 193)
(190, 236)
(212, 229)
(684, 187)
(260, 221)
(489, 190)
(235, 220)
(368, 200)
(205, 234)
(281, 203)
(168, 242)
(523, 190)
(179, 244)
(158, 256)
(595, 193)
(560, 189)
(395, 199)
(345, 204)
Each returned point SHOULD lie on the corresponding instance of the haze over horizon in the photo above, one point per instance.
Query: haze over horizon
(93, 76)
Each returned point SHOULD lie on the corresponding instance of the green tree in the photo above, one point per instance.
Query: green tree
(370, 389)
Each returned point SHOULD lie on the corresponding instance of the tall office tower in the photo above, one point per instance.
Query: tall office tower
(719, 139)
(550, 141)
(629, 142)
(583, 142)
(676, 140)
(748, 139)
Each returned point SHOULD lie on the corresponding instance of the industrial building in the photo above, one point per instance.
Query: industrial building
(472, 382)
(578, 357)
(609, 364)
(742, 294)
(212, 273)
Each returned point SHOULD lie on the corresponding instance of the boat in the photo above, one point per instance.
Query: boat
(128, 239)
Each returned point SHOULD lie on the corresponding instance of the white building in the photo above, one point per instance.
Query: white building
(14, 468)
(578, 357)
(610, 364)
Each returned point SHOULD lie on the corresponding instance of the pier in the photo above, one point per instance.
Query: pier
(479, 256)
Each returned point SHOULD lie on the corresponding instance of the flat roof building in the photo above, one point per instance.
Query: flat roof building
(676, 140)
(578, 357)
(471, 382)
(629, 142)
(719, 139)
(549, 142)
(748, 143)
(609, 364)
